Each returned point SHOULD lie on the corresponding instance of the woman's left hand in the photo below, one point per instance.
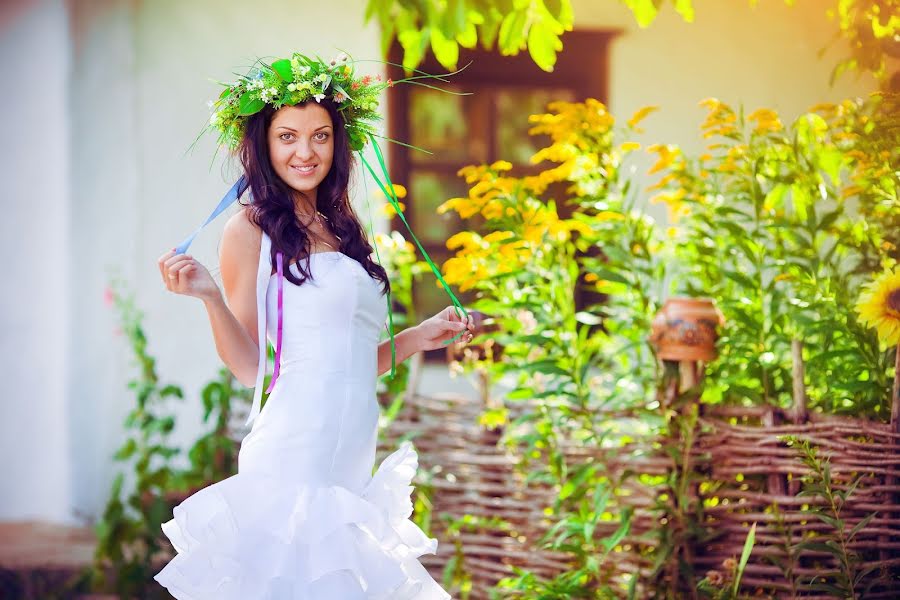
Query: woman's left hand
(432, 332)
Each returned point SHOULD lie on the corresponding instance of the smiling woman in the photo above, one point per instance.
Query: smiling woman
(304, 517)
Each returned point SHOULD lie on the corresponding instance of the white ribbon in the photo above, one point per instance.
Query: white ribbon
(263, 274)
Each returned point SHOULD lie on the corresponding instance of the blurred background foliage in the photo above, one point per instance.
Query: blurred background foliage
(870, 28)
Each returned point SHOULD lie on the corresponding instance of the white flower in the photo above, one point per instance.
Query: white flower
(319, 97)
(321, 77)
(340, 97)
(304, 69)
(292, 87)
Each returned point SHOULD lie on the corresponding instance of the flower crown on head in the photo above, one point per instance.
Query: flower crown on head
(290, 81)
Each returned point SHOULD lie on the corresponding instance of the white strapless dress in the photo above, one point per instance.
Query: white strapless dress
(305, 518)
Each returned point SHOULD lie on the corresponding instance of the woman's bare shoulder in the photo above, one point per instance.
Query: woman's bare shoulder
(241, 237)
(241, 231)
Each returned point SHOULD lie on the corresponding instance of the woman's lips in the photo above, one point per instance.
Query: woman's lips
(305, 170)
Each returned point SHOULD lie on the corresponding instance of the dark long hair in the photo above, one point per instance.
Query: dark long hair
(272, 206)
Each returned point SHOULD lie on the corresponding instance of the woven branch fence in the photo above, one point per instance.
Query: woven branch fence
(745, 466)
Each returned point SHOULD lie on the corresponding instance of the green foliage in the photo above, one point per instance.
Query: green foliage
(128, 533)
(847, 576)
(725, 587)
(768, 226)
(868, 27)
(444, 26)
(871, 30)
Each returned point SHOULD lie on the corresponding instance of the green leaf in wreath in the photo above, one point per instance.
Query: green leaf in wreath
(283, 69)
(248, 105)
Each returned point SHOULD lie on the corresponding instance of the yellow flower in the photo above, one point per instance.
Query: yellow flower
(466, 240)
(640, 115)
(389, 210)
(879, 306)
(766, 120)
(667, 155)
(629, 146)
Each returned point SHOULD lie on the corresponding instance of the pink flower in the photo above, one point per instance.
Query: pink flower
(390, 82)
(108, 296)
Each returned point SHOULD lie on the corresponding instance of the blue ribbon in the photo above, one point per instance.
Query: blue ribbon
(236, 191)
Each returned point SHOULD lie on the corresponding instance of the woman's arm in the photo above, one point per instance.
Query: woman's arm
(430, 334)
(234, 329)
(235, 325)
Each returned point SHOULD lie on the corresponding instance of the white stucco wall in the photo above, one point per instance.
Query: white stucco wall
(105, 184)
(35, 313)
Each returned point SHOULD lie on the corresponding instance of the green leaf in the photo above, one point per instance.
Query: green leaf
(512, 32)
(745, 556)
(247, 105)
(775, 198)
(414, 43)
(283, 69)
(644, 11)
(685, 8)
(800, 200)
(468, 37)
(543, 44)
(856, 528)
(126, 451)
(445, 50)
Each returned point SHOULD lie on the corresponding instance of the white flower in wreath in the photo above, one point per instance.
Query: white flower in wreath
(319, 97)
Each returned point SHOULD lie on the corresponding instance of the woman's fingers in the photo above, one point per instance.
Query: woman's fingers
(161, 263)
(174, 268)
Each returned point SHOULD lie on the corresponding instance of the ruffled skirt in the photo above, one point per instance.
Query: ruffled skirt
(252, 536)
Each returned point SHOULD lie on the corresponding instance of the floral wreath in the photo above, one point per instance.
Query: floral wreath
(290, 81)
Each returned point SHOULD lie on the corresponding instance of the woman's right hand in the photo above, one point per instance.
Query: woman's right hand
(182, 274)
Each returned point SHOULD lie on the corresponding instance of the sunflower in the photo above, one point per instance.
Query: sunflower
(879, 306)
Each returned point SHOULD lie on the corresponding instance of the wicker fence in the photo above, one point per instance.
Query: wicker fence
(740, 455)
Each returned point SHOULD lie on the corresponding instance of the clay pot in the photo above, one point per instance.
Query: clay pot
(685, 329)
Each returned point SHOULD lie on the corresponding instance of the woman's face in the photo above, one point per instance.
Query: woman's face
(301, 145)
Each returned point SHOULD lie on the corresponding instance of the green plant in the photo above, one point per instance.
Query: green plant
(848, 577)
(761, 223)
(789, 559)
(726, 587)
(128, 533)
(765, 227)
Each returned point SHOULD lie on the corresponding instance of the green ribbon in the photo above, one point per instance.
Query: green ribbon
(387, 187)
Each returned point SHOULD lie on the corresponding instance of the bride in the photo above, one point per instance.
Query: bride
(304, 517)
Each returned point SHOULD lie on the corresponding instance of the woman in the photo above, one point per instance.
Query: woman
(304, 517)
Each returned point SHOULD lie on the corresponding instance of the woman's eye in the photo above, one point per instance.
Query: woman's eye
(321, 136)
(286, 136)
